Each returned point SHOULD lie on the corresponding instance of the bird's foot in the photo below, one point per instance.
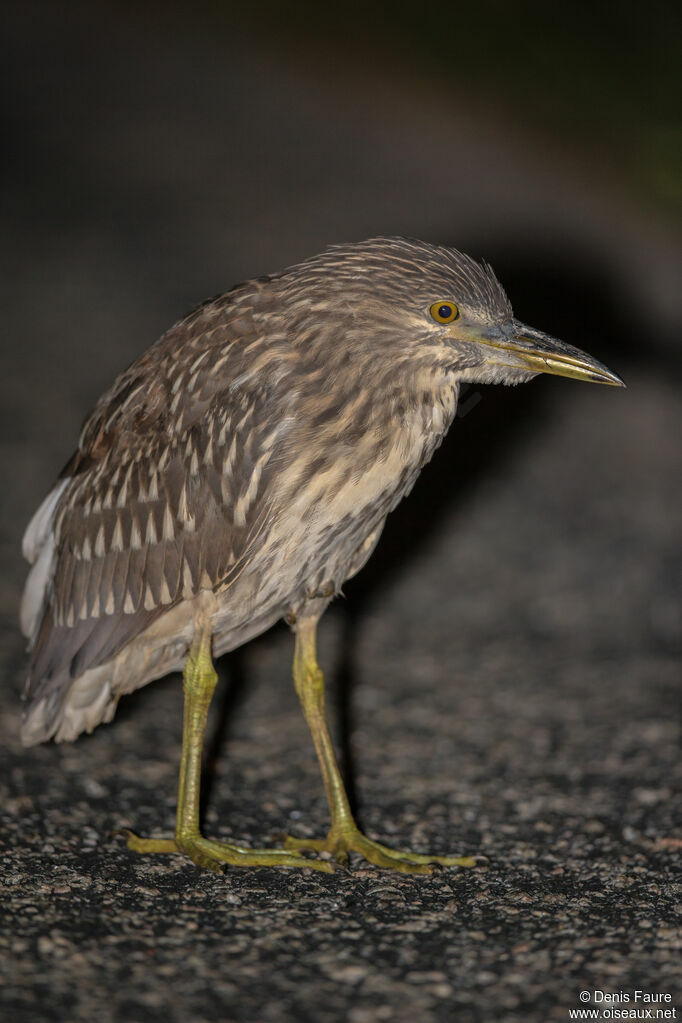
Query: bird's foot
(216, 856)
(343, 840)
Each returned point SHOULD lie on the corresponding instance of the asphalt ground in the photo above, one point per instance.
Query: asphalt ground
(504, 674)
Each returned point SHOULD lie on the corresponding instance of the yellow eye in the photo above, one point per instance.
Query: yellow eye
(444, 312)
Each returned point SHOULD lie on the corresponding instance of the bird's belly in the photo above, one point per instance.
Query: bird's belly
(324, 538)
(324, 529)
(307, 568)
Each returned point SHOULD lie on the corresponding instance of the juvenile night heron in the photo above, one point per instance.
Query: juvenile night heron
(239, 472)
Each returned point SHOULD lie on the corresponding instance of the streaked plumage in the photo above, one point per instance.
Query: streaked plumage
(242, 468)
(253, 411)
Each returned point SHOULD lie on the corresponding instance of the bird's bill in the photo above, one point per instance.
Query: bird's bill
(526, 348)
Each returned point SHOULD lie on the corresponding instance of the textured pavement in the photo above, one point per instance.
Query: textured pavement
(504, 674)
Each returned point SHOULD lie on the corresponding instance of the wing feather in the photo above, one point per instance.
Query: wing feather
(154, 506)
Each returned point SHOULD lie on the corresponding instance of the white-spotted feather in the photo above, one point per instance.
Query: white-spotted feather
(40, 525)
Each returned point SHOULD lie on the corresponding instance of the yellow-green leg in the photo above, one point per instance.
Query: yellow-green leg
(344, 835)
(199, 682)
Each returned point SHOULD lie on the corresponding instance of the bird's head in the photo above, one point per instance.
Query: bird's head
(437, 306)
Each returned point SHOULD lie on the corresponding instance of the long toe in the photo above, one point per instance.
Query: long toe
(216, 856)
(339, 845)
(239, 856)
(403, 860)
(148, 845)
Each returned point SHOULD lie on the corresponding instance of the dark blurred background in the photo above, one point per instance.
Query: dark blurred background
(510, 657)
(156, 153)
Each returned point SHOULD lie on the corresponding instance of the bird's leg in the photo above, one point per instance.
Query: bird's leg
(344, 835)
(199, 682)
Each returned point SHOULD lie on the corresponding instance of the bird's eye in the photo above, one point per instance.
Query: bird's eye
(444, 312)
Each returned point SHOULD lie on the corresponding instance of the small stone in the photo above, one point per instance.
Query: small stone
(440, 990)
(349, 974)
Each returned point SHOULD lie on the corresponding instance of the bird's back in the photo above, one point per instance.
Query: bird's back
(161, 499)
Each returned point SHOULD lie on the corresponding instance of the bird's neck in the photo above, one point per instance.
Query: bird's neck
(408, 425)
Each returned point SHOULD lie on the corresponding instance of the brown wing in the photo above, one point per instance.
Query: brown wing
(166, 492)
